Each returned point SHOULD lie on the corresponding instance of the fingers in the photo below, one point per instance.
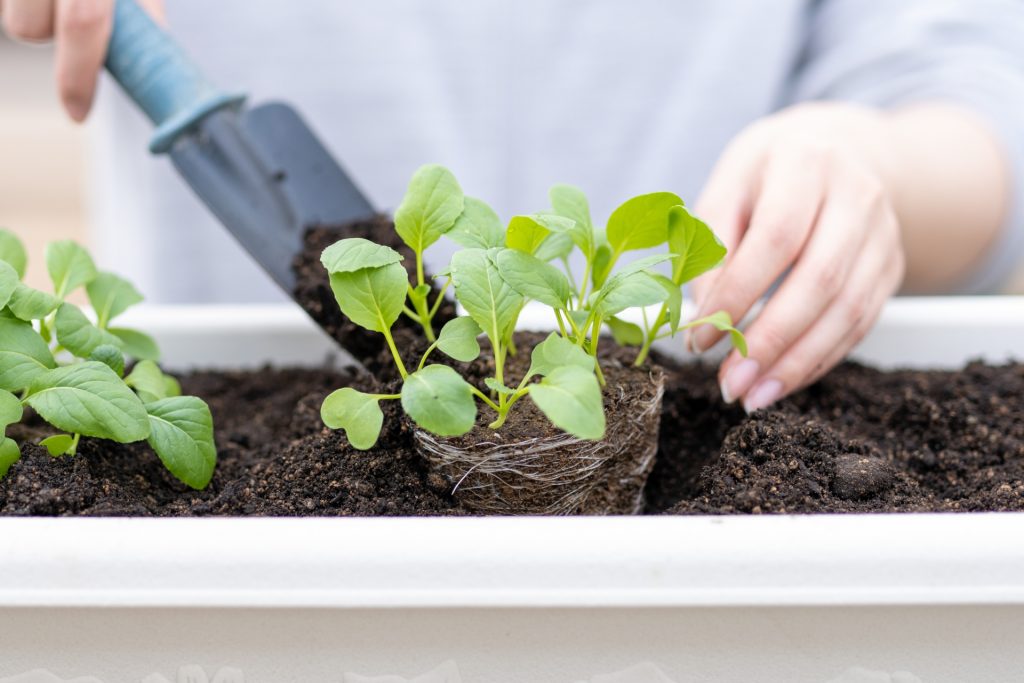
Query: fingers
(83, 30)
(28, 20)
(726, 200)
(876, 276)
(819, 275)
(786, 208)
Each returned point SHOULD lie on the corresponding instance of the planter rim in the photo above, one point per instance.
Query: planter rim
(812, 560)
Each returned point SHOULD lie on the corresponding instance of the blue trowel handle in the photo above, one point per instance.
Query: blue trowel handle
(155, 72)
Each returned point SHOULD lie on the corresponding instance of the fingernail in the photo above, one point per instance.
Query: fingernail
(739, 378)
(763, 395)
(77, 110)
(700, 339)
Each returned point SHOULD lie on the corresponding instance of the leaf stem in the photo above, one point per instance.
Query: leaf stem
(651, 335)
(387, 397)
(561, 323)
(426, 353)
(394, 353)
(440, 299)
(486, 399)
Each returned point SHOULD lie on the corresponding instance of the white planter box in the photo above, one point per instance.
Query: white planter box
(810, 599)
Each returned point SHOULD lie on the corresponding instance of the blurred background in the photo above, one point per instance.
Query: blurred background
(46, 165)
(42, 156)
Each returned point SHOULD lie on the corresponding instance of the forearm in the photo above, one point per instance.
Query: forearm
(950, 186)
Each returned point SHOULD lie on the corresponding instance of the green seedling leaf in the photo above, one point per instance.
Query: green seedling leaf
(90, 399)
(497, 387)
(58, 444)
(149, 382)
(625, 333)
(556, 352)
(458, 339)
(10, 410)
(533, 278)
(570, 202)
(12, 251)
(79, 336)
(355, 253)
(478, 227)
(722, 322)
(69, 265)
(137, 345)
(9, 454)
(110, 356)
(171, 387)
(485, 295)
(558, 245)
(602, 265)
(641, 222)
(358, 414)
(571, 398)
(24, 355)
(526, 234)
(432, 204)
(372, 297)
(9, 281)
(632, 291)
(181, 434)
(699, 249)
(110, 296)
(439, 400)
(29, 304)
(674, 301)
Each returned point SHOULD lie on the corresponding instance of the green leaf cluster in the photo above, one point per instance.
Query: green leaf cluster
(71, 369)
(500, 268)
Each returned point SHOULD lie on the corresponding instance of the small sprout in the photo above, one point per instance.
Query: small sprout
(59, 444)
(500, 269)
(70, 369)
(358, 414)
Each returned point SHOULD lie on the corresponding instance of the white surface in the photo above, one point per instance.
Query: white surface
(522, 562)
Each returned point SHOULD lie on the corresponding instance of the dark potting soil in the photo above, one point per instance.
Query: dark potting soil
(860, 440)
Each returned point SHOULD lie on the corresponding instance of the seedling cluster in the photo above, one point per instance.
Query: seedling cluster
(496, 272)
(71, 370)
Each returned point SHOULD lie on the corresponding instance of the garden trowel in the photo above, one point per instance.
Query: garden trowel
(261, 170)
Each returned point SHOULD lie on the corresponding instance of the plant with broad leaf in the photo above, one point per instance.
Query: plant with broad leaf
(496, 272)
(71, 370)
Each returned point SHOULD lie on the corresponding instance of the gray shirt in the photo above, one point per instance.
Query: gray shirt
(617, 98)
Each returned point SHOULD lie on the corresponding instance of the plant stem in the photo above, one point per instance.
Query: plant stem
(426, 354)
(73, 448)
(506, 409)
(394, 353)
(440, 299)
(650, 336)
(561, 323)
(486, 399)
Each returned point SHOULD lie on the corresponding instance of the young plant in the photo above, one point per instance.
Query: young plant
(70, 370)
(498, 270)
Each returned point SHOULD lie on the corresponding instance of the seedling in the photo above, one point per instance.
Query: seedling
(71, 370)
(498, 270)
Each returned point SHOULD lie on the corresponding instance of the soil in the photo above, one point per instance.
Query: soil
(860, 440)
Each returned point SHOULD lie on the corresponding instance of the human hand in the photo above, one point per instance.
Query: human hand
(80, 29)
(802, 191)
